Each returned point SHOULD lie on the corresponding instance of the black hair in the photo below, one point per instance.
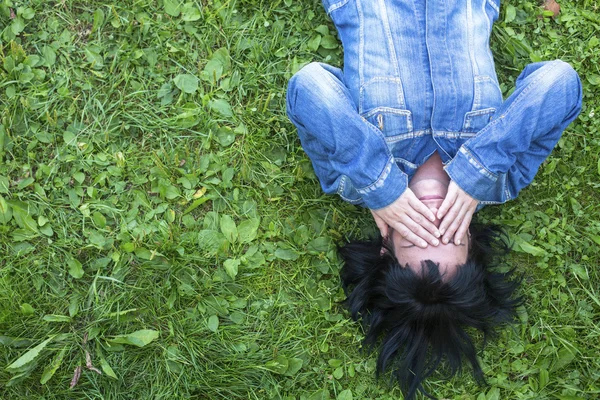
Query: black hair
(418, 320)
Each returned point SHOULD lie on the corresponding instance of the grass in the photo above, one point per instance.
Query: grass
(158, 213)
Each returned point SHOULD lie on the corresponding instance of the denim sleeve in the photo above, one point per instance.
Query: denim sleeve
(341, 144)
(506, 154)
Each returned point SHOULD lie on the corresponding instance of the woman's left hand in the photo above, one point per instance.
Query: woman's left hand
(456, 212)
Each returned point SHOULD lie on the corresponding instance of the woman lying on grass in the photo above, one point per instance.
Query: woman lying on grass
(415, 128)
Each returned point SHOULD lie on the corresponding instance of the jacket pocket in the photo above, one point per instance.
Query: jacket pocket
(394, 123)
(476, 120)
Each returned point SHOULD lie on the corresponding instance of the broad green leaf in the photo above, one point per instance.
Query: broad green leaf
(98, 19)
(231, 267)
(222, 107)
(345, 395)
(286, 254)
(511, 13)
(544, 378)
(580, 271)
(213, 323)
(27, 13)
(195, 204)
(218, 65)
(314, 43)
(56, 318)
(107, 369)
(4, 184)
(52, 367)
(225, 136)
(329, 42)
(248, 230)
(186, 83)
(75, 267)
(211, 241)
(294, 365)
(139, 338)
(322, 394)
(99, 219)
(493, 394)
(530, 249)
(29, 355)
(5, 211)
(228, 228)
(17, 25)
(190, 12)
(27, 309)
(49, 56)
(23, 219)
(319, 245)
(172, 7)
(279, 365)
(338, 373)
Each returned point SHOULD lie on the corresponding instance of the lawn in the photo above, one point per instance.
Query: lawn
(163, 236)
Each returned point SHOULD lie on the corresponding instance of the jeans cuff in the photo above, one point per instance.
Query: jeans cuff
(475, 179)
(390, 185)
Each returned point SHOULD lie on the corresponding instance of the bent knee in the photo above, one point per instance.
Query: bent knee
(312, 83)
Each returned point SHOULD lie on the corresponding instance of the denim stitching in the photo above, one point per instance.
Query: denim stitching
(494, 6)
(380, 180)
(337, 5)
(392, 50)
(361, 44)
(473, 161)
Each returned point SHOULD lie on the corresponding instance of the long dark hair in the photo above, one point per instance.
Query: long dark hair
(418, 320)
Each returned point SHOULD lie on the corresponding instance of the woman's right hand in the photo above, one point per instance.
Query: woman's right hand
(410, 217)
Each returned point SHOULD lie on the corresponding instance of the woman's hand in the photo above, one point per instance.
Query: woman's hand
(456, 212)
(410, 217)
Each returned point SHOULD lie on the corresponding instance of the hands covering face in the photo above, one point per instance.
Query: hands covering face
(409, 216)
(414, 220)
(456, 212)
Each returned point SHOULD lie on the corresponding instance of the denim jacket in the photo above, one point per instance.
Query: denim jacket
(422, 74)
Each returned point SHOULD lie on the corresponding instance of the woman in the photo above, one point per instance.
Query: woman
(415, 128)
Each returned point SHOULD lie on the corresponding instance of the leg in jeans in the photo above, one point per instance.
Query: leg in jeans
(340, 143)
(506, 154)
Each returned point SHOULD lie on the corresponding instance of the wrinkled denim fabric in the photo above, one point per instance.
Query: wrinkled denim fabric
(418, 79)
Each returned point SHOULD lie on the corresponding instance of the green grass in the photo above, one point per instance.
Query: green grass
(150, 180)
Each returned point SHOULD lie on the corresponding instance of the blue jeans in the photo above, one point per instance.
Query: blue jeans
(355, 156)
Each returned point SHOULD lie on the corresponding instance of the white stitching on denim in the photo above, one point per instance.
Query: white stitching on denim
(335, 6)
(474, 162)
(392, 50)
(379, 182)
(361, 43)
(494, 6)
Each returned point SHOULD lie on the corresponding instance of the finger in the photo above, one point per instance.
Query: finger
(448, 202)
(382, 225)
(420, 231)
(410, 236)
(449, 218)
(424, 223)
(421, 208)
(455, 224)
(464, 226)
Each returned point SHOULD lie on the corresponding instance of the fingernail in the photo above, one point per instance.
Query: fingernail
(446, 241)
(423, 244)
(458, 242)
(437, 234)
(432, 218)
(435, 242)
